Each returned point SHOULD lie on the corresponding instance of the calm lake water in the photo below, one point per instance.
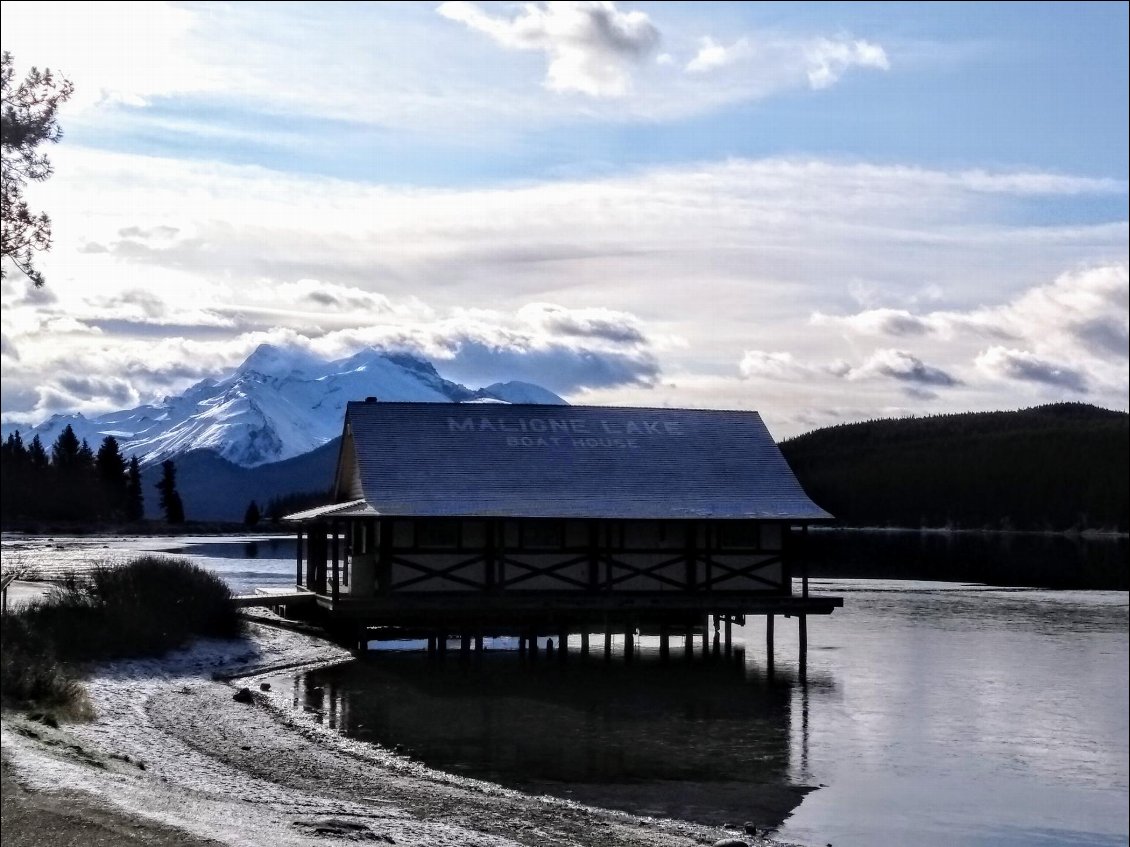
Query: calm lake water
(932, 713)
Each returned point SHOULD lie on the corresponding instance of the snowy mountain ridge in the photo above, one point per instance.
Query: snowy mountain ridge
(278, 404)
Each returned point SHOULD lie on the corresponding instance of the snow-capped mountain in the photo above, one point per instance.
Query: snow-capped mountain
(276, 405)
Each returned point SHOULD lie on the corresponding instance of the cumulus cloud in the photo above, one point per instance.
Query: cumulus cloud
(903, 366)
(1069, 333)
(713, 55)
(764, 364)
(606, 324)
(592, 47)
(829, 59)
(565, 350)
(892, 322)
(1007, 364)
(895, 364)
(328, 295)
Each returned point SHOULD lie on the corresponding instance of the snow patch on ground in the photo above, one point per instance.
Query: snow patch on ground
(181, 786)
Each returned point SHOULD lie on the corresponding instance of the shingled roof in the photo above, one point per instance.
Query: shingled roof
(526, 461)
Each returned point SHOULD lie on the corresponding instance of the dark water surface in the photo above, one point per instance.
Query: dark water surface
(930, 714)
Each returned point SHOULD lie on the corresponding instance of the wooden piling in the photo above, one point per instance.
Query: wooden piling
(664, 647)
(769, 640)
(585, 643)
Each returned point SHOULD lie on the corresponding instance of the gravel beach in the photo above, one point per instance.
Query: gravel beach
(172, 759)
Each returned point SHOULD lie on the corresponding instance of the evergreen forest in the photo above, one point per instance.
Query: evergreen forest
(1061, 467)
(69, 481)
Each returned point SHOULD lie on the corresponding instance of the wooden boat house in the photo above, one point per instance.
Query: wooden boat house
(497, 519)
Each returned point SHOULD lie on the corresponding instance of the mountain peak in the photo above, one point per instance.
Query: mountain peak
(280, 362)
(280, 403)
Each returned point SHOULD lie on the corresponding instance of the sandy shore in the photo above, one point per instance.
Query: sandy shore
(173, 759)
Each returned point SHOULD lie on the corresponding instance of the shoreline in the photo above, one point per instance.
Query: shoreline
(172, 751)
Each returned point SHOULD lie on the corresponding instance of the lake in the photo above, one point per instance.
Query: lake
(932, 712)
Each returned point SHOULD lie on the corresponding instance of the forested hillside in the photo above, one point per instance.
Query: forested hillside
(1057, 467)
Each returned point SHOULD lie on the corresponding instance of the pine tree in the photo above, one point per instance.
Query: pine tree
(170, 500)
(251, 516)
(36, 455)
(110, 468)
(135, 497)
(65, 451)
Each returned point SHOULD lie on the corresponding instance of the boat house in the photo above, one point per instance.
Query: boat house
(531, 520)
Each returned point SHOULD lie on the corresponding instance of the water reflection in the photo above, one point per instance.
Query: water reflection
(1032, 559)
(714, 741)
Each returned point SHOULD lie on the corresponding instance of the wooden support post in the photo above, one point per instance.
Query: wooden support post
(533, 639)
(431, 646)
(441, 645)
(664, 646)
(298, 561)
(688, 643)
(705, 634)
(803, 565)
(479, 642)
(769, 640)
(333, 558)
(729, 632)
(522, 646)
(384, 555)
(464, 644)
(607, 641)
(563, 645)
(585, 643)
(629, 642)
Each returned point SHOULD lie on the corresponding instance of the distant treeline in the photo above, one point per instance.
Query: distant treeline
(69, 482)
(1057, 467)
(72, 483)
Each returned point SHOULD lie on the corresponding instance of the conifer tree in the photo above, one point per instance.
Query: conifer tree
(135, 497)
(170, 500)
(65, 451)
(110, 468)
(251, 516)
(36, 455)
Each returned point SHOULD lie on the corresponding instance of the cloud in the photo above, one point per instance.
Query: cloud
(828, 60)
(114, 52)
(763, 364)
(713, 55)
(592, 47)
(1081, 320)
(606, 324)
(328, 296)
(1007, 364)
(903, 366)
(587, 274)
(892, 322)
(893, 364)
(8, 350)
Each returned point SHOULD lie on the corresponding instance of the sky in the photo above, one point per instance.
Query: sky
(826, 212)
